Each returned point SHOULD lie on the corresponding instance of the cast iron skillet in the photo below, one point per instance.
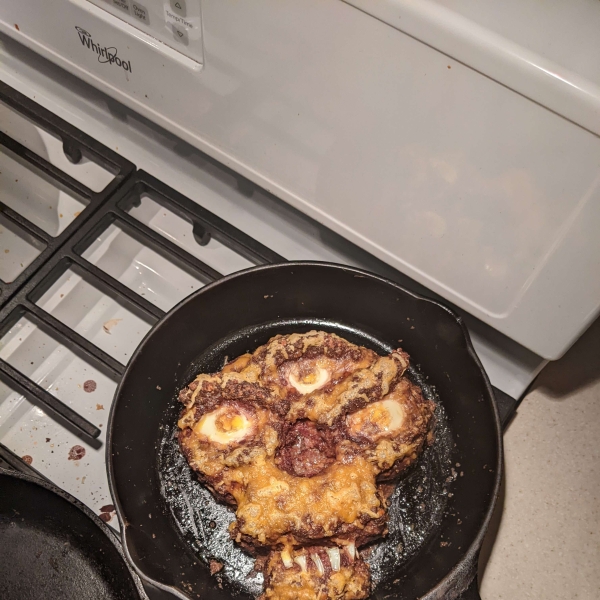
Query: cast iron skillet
(52, 546)
(439, 515)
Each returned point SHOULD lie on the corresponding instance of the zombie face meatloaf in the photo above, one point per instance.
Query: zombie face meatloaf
(298, 437)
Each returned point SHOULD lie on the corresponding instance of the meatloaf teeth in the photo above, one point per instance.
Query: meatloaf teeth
(316, 573)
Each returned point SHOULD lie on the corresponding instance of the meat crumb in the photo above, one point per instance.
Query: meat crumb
(108, 508)
(99, 406)
(106, 517)
(89, 386)
(27, 459)
(76, 453)
(110, 324)
(215, 566)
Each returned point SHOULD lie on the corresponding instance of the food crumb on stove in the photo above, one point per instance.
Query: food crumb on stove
(27, 459)
(89, 386)
(108, 508)
(99, 406)
(154, 535)
(215, 566)
(17, 27)
(47, 440)
(158, 387)
(110, 324)
(76, 452)
(444, 544)
(106, 517)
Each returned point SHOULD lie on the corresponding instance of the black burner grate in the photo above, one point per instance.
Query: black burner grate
(76, 145)
(115, 211)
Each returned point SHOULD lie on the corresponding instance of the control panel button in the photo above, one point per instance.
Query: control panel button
(140, 12)
(179, 7)
(122, 4)
(180, 35)
(176, 23)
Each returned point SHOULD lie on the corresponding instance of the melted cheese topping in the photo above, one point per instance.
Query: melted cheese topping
(224, 426)
(310, 381)
(380, 419)
(272, 503)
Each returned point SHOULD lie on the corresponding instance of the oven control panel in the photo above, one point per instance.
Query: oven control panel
(176, 23)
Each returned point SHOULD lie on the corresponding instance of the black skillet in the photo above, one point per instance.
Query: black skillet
(52, 546)
(173, 530)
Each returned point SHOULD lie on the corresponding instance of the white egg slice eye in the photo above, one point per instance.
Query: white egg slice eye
(380, 419)
(310, 382)
(225, 426)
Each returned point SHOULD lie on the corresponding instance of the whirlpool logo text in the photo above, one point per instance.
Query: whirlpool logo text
(106, 54)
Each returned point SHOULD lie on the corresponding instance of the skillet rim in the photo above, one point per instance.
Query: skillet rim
(467, 563)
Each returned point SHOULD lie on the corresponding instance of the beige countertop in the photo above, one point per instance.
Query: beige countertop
(544, 540)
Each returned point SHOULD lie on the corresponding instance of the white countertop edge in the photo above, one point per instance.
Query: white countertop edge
(526, 72)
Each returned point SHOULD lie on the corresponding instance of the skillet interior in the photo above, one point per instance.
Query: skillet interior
(379, 314)
(417, 504)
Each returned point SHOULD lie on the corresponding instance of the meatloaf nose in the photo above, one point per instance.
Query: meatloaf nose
(306, 450)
